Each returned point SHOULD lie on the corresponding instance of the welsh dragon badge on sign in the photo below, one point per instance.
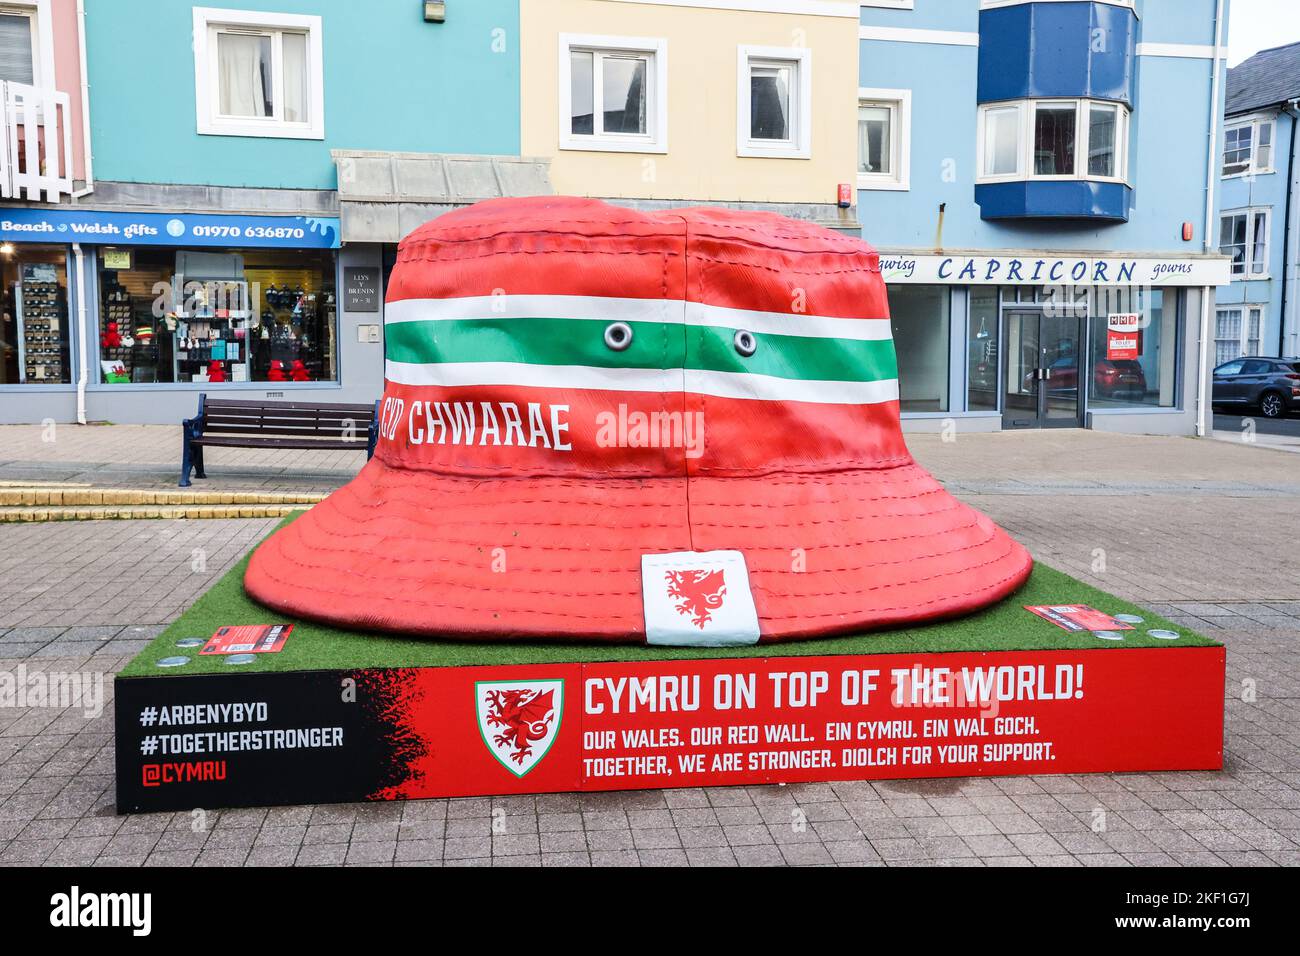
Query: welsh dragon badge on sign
(519, 720)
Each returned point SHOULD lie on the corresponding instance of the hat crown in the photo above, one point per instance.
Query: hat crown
(563, 336)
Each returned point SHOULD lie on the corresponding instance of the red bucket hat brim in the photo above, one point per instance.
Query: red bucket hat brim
(559, 559)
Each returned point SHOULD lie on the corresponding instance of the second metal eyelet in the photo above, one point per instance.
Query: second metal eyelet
(618, 336)
(746, 343)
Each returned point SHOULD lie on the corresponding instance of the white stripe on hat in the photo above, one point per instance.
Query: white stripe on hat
(739, 385)
(609, 309)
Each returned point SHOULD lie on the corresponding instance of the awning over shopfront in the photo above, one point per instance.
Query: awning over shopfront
(383, 196)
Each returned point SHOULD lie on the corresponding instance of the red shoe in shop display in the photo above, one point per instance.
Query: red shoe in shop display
(216, 372)
(298, 372)
(276, 372)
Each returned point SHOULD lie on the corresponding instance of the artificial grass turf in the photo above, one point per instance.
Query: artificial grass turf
(1006, 626)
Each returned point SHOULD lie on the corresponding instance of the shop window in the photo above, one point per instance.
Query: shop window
(34, 331)
(1248, 148)
(982, 358)
(1054, 139)
(921, 322)
(217, 317)
(258, 74)
(1134, 348)
(774, 93)
(613, 94)
(884, 133)
(1243, 236)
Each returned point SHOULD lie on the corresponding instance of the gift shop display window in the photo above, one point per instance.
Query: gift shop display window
(217, 317)
(34, 315)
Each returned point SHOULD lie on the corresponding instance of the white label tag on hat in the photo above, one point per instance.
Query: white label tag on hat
(697, 599)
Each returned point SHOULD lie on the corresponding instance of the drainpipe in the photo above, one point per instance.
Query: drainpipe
(1290, 110)
(84, 375)
(85, 104)
(1211, 167)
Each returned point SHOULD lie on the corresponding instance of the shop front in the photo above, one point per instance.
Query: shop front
(1042, 341)
(125, 317)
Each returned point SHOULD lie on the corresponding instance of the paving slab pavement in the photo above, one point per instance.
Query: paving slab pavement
(1198, 531)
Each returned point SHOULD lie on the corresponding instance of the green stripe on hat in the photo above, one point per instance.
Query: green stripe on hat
(655, 345)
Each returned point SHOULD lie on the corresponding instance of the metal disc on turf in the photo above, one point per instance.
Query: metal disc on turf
(191, 642)
(1164, 635)
(1108, 635)
(236, 659)
(173, 661)
(1128, 618)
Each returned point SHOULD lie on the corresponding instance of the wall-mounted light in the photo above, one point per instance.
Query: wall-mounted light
(435, 11)
(6, 248)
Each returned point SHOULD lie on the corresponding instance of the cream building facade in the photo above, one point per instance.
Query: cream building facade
(746, 102)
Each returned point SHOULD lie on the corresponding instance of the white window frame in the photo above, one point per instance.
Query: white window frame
(207, 22)
(1251, 212)
(1028, 110)
(981, 142)
(1256, 123)
(994, 4)
(801, 100)
(899, 103)
(655, 139)
(38, 11)
(1249, 311)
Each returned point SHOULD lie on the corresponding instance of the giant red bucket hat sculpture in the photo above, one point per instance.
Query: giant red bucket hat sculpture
(598, 424)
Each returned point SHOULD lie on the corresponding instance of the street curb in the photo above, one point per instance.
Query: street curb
(12, 515)
(31, 497)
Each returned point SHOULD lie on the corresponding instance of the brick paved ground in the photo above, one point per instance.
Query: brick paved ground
(1200, 531)
(149, 456)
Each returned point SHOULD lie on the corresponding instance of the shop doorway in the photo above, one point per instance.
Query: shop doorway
(1041, 369)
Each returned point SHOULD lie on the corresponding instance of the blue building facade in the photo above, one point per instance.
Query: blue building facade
(254, 167)
(1037, 176)
(1256, 312)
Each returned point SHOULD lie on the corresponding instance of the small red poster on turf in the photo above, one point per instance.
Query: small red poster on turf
(248, 639)
(1077, 617)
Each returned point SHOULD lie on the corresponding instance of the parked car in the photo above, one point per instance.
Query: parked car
(1111, 378)
(1271, 385)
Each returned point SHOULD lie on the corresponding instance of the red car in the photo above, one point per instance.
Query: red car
(1111, 378)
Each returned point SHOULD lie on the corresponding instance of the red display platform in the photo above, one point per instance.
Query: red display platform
(255, 739)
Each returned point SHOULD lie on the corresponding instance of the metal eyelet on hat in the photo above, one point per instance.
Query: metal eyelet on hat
(746, 343)
(618, 336)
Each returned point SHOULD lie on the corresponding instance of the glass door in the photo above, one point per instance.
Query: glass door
(1042, 370)
(1060, 341)
(1020, 401)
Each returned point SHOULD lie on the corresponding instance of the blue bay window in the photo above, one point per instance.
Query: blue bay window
(1056, 84)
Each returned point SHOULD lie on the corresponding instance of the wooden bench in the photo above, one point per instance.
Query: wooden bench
(240, 424)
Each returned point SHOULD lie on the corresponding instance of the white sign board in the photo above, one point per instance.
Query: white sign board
(1032, 269)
